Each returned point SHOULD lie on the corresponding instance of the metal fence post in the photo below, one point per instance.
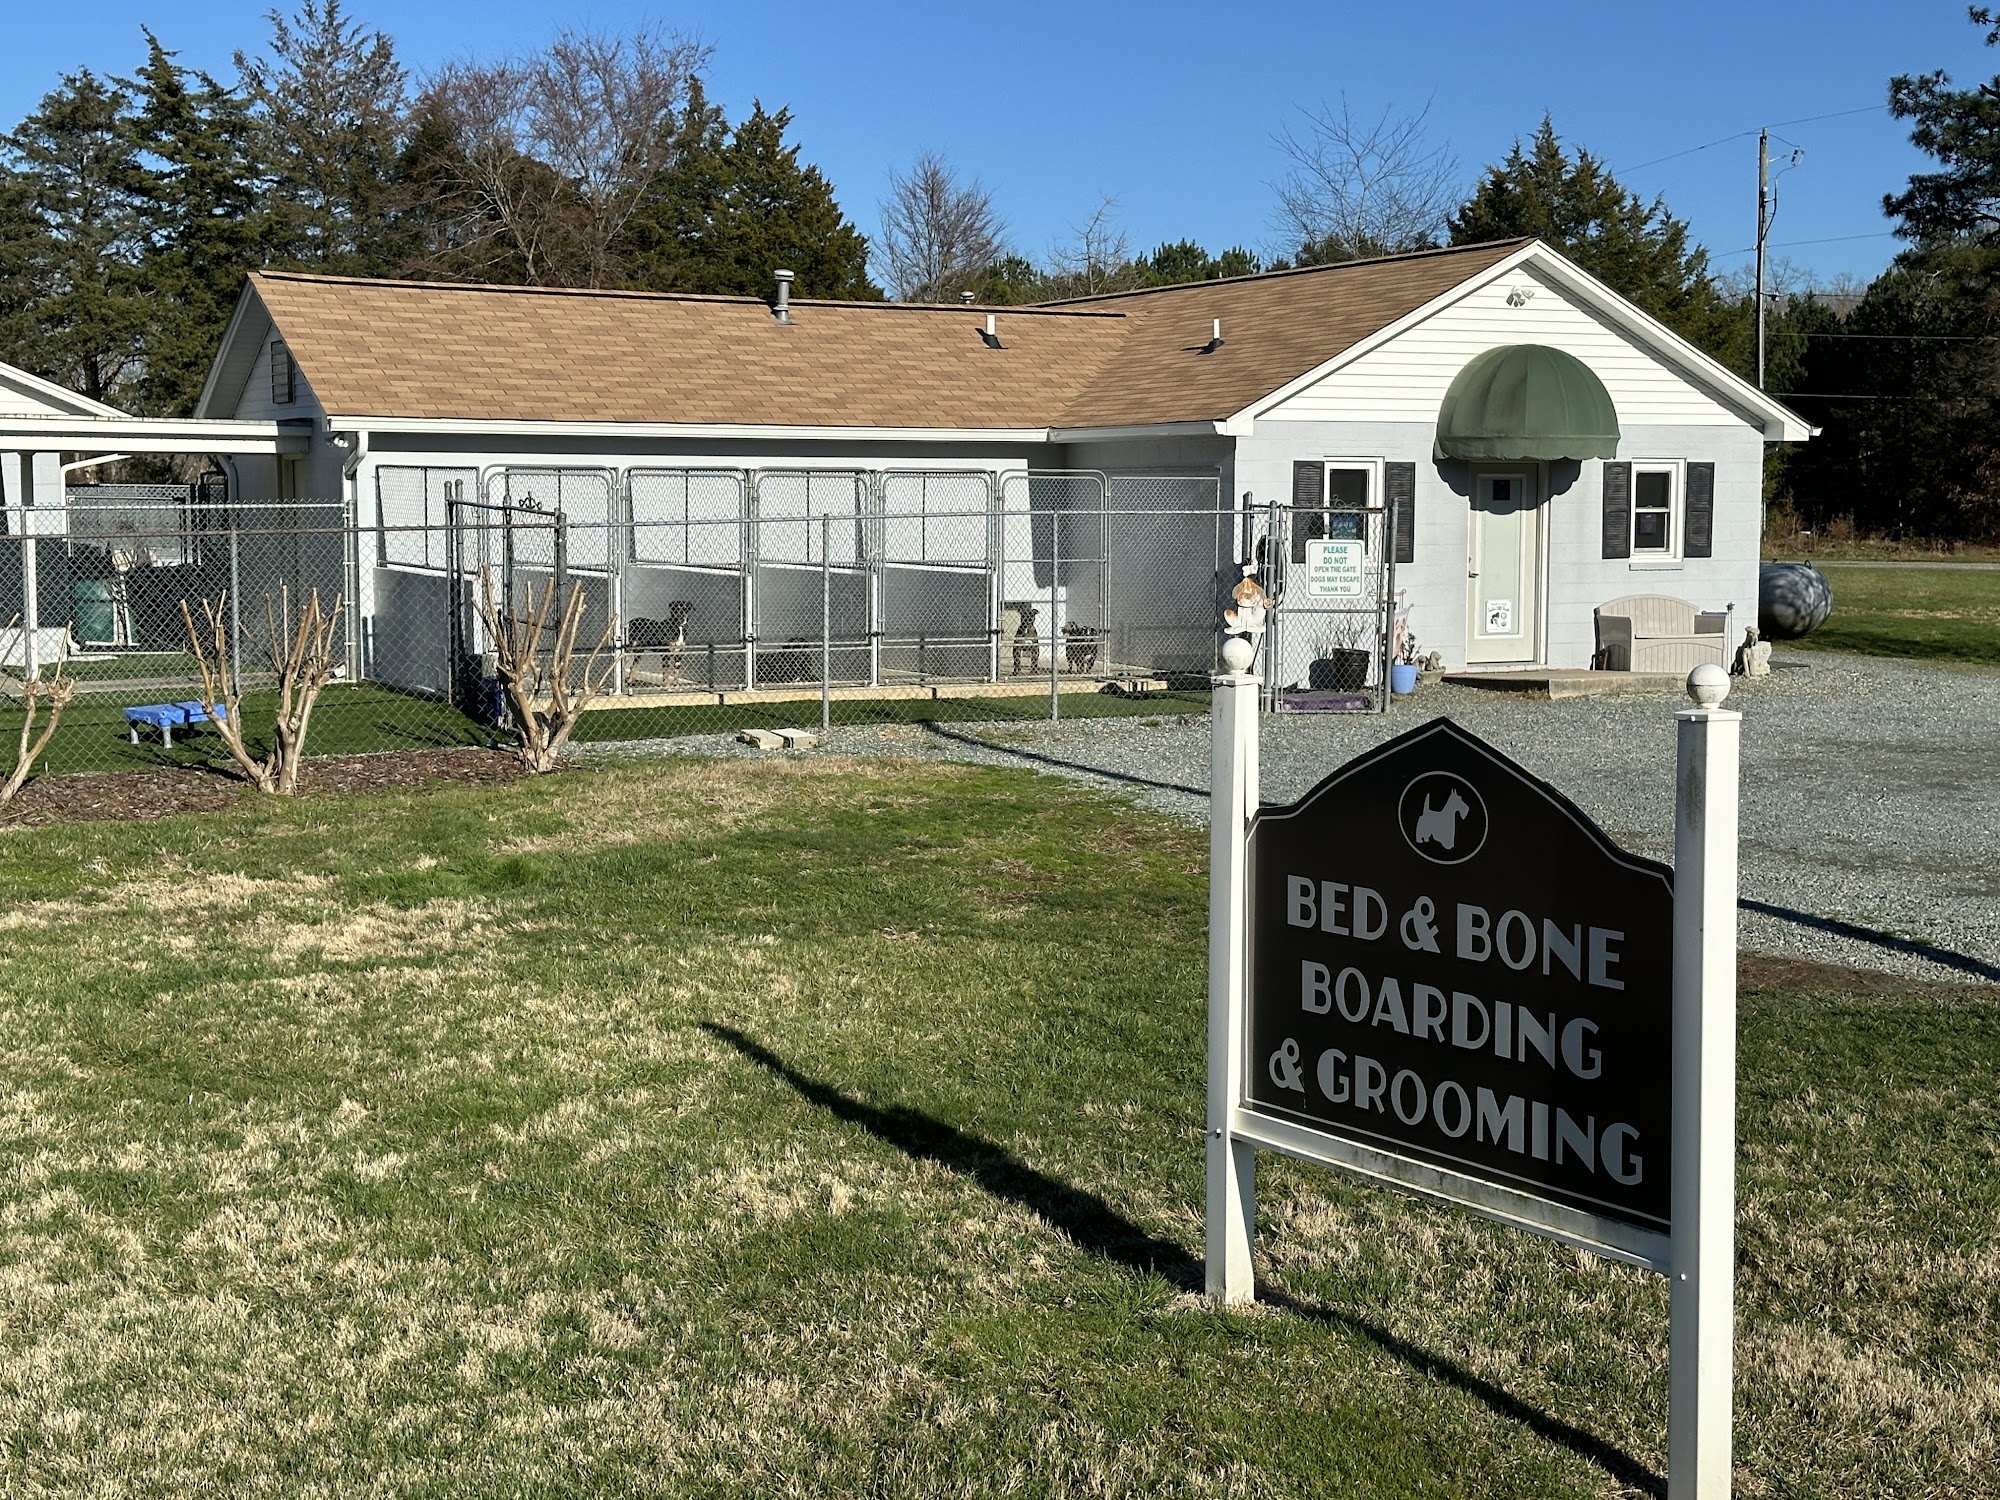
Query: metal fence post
(235, 611)
(825, 623)
(1055, 636)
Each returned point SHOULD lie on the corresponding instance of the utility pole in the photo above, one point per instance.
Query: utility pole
(1763, 227)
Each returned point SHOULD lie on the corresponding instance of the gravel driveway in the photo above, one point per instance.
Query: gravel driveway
(1871, 789)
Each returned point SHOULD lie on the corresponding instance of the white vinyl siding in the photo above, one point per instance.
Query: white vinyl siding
(1406, 378)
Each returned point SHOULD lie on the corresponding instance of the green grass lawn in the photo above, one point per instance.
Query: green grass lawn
(801, 1128)
(1937, 614)
(358, 718)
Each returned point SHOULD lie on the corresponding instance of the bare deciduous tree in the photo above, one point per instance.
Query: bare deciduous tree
(939, 236)
(1096, 259)
(301, 653)
(550, 155)
(1355, 188)
(54, 691)
(546, 691)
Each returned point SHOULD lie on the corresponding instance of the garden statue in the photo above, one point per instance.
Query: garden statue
(1246, 622)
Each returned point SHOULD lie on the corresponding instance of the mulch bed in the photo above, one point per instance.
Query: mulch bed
(134, 795)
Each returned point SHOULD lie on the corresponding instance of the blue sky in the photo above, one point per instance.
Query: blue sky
(1171, 106)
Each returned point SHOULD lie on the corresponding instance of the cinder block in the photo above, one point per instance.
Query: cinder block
(798, 739)
(763, 739)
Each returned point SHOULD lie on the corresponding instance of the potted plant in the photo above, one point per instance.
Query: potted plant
(1404, 660)
(1340, 653)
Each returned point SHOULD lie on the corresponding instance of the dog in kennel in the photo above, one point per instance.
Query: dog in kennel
(668, 637)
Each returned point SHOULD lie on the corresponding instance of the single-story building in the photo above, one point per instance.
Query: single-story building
(1516, 441)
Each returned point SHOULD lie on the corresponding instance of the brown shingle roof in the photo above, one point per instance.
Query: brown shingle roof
(1275, 328)
(420, 349)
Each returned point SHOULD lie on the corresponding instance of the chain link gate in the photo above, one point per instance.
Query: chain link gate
(1331, 575)
(514, 550)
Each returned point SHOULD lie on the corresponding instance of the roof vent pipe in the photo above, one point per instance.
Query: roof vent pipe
(1214, 340)
(782, 309)
(991, 337)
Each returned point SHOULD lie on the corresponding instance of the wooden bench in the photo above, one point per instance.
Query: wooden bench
(1659, 633)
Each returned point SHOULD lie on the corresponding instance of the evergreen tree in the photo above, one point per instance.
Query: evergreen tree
(329, 102)
(1575, 205)
(1958, 205)
(1913, 446)
(74, 239)
(739, 205)
(204, 205)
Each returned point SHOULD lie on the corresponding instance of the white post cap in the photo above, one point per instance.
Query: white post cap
(1708, 685)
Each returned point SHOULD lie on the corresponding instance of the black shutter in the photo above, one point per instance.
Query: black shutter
(1308, 501)
(1698, 529)
(1617, 510)
(1399, 484)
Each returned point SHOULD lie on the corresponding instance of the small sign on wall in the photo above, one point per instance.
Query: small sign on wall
(1336, 569)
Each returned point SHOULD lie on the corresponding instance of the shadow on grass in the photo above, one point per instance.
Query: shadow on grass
(1963, 962)
(1101, 1230)
(943, 733)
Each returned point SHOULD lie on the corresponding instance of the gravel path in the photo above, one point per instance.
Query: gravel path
(1871, 789)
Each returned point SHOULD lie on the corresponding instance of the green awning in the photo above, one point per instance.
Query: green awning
(1527, 401)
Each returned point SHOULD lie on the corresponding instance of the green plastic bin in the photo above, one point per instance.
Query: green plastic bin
(92, 615)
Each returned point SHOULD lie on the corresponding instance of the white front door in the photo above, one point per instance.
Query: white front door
(1505, 568)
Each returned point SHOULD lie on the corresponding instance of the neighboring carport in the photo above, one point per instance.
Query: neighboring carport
(37, 452)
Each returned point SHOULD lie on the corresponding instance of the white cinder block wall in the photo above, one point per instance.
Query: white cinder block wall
(1577, 577)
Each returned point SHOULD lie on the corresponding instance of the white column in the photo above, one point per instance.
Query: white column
(1703, 1304)
(1232, 1187)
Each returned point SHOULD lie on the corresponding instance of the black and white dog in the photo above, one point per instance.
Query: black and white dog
(668, 637)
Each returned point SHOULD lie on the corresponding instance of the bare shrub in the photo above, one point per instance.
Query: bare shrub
(54, 692)
(546, 691)
(301, 653)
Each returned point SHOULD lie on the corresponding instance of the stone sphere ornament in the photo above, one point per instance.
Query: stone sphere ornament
(1793, 599)
(1238, 651)
(1708, 685)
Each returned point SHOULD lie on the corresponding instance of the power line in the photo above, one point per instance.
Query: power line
(1743, 134)
(1832, 239)
(1955, 338)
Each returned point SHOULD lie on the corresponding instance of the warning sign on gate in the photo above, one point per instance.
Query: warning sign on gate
(1335, 570)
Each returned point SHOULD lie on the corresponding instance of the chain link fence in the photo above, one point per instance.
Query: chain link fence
(722, 598)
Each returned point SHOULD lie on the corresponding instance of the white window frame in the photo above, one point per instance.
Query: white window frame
(1376, 501)
(1676, 471)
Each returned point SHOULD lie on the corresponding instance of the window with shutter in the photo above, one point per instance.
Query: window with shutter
(1617, 510)
(1399, 484)
(1699, 534)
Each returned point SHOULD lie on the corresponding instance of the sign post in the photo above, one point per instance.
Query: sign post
(1233, 797)
(1434, 971)
(1702, 1303)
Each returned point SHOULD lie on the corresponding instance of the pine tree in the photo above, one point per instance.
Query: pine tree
(739, 205)
(1575, 205)
(78, 311)
(329, 103)
(206, 218)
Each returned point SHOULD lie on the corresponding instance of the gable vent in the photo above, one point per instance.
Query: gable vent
(284, 375)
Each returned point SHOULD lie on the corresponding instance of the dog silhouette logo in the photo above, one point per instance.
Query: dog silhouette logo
(1443, 817)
